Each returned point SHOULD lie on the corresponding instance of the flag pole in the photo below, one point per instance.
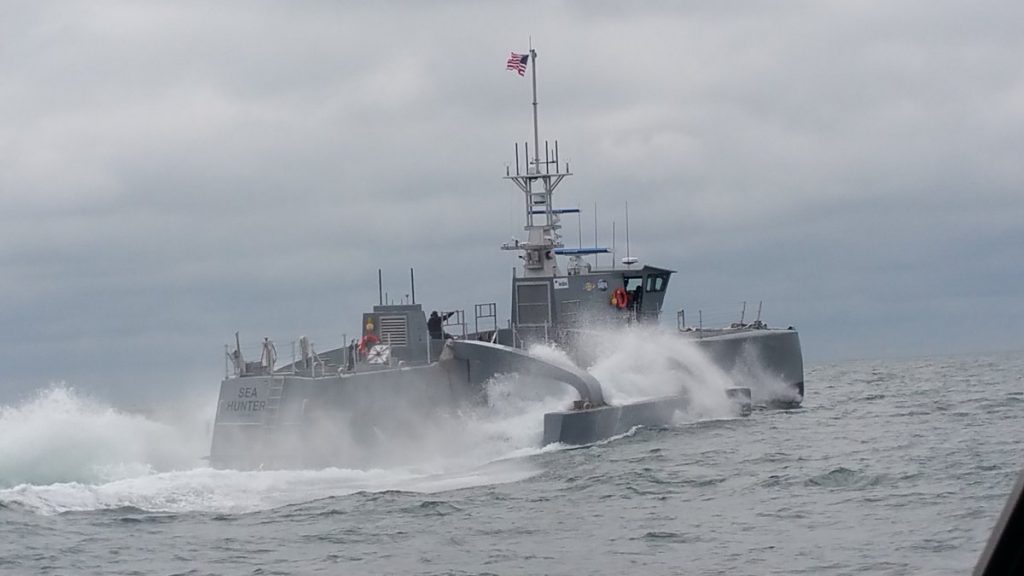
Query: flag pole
(536, 140)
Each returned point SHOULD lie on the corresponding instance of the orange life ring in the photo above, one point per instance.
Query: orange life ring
(620, 298)
(367, 342)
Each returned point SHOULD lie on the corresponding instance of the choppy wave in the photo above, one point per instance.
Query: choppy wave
(641, 363)
(62, 451)
(232, 491)
(60, 435)
(844, 486)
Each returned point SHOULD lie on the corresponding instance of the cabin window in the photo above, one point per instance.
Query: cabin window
(656, 283)
(633, 283)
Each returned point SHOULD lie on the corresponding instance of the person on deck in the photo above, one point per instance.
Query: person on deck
(435, 325)
(634, 299)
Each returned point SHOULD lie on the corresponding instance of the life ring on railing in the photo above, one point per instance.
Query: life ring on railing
(620, 298)
(366, 342)
(378, 354)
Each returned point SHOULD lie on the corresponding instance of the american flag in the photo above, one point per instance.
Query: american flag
(518, 62)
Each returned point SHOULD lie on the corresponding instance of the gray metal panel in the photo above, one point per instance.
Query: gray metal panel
(533, 303)
(320, 419)
(761, 359)
(243, 400)
(588, 297)
(388, 321)
(587, 426)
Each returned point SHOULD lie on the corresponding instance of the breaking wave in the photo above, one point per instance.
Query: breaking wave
(60, 435)
(232, 491)
(62, 451)
(641, 363)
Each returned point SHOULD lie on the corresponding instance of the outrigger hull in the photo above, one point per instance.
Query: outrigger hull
(769, 362)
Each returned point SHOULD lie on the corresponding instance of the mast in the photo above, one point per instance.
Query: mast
(538, 184)
(533, 75)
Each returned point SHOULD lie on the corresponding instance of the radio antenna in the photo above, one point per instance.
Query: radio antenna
(613, 244)
(627, 232)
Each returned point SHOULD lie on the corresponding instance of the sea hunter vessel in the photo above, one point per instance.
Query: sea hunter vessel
(406, 372)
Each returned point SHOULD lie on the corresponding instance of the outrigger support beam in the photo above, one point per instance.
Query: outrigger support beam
(509, 359)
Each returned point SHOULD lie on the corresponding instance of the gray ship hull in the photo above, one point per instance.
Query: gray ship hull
(769, 362)
(292, 421)
(766, 364)
(295, 421)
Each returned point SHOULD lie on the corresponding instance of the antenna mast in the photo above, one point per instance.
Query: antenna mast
(536, 137)
(628, 257)
(538, 184)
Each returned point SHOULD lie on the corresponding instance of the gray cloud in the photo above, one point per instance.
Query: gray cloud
(171, 172)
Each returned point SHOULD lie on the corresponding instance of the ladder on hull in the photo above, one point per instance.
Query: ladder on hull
(271, 414)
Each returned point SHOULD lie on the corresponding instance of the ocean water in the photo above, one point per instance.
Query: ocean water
(890, 467)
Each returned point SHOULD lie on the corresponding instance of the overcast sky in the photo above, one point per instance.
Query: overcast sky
(171, 172)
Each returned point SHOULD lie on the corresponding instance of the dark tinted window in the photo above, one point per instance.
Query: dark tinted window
(655, 283)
